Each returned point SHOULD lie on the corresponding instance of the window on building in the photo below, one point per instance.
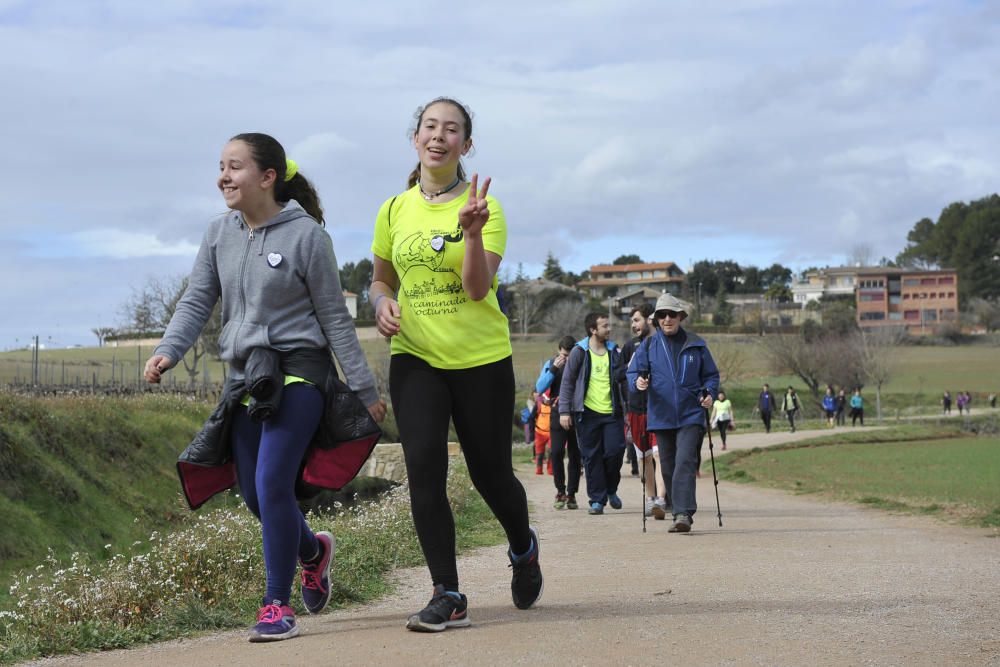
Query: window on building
(894, 299)
(634, 275)
(872, 316)
(948, 314)
(930, 315)
(911, 282)
(906, 296)
(928, 281)
(951, 295)
(895, 316)
(946, 280)
(911, 315)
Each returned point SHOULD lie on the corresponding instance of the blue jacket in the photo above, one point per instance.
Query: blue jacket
(576, 377)
(829, 403)
(675, 386)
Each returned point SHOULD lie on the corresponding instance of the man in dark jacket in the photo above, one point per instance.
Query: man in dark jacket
(567, 480)
(765, 405)
(590, 401)
(642, 443)
(682, 379)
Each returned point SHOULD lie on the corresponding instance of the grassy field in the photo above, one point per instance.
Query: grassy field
(954, 478)
(925, 370)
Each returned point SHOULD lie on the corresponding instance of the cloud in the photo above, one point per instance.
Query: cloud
(762, 130)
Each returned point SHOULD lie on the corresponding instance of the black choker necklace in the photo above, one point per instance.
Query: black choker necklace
(429, 196)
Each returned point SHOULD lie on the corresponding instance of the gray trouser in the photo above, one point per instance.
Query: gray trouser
(679, 458)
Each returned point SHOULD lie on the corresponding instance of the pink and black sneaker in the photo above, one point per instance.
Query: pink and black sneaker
(275, 621)
(316, 575)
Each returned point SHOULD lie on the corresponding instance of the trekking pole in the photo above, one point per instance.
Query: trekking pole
(711, 454)
(642, 483)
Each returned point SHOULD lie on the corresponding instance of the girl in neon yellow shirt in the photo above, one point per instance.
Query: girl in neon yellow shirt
(437, 249)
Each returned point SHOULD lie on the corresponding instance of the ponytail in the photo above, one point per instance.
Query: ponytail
(301, 190)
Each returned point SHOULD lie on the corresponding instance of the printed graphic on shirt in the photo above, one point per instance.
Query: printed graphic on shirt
(438, 321)
(434, 294)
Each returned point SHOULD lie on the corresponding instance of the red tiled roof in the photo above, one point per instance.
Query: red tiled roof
(606, 268)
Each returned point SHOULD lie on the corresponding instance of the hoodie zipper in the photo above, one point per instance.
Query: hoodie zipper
(243, 291)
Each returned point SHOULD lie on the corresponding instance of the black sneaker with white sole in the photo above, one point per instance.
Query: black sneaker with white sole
(442, 612)
(526, 583)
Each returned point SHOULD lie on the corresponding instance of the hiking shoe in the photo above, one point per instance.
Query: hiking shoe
(648, 510)
(442, 612)
(596, 508)
(526, 581)
(614, 501)
(275, 621)
(560, 503)
(659, 509)
(571, 502)
(682, 524)
(538, 469)
(316, 576)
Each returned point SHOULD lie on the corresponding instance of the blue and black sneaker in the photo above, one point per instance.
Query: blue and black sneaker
(526, 584)
(445, 610)
(614, 501)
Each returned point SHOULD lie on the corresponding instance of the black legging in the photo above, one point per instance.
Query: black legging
(723, 427)
(480, 401)
(566, 477)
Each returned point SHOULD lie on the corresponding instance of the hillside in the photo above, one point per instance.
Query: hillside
(79, 473)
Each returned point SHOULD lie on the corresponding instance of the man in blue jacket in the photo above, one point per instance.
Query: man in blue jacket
(590, 401)
(677, 369)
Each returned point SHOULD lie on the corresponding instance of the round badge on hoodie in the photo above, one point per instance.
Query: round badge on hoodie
(273, 259)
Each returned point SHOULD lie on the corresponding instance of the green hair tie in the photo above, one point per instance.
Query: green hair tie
(290, 169)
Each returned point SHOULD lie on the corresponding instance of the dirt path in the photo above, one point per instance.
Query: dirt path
(787, 581)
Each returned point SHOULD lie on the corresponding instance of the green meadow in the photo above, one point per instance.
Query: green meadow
(954, 478)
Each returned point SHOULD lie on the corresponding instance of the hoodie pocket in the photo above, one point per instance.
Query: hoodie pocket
(238, 338)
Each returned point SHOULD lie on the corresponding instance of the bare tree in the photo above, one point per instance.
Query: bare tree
(986, 312)
(861, 254)
(149, 309)
(731, 362)
(797, 356)
(819, 359)
(879, 351)
(533, 299)
(102, 334)
(565, 318)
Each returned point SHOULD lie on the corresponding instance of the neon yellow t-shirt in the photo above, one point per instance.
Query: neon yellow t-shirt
(439, 322)
(598, 396)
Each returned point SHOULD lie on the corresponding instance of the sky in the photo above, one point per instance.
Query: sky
(790, 131)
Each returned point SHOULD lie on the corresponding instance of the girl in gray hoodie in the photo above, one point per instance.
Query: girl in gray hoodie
(272, 263)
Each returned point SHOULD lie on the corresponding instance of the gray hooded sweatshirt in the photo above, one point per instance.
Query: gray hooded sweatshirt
(280, 289)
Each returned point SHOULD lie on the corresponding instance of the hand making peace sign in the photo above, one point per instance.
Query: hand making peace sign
(473, 216)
